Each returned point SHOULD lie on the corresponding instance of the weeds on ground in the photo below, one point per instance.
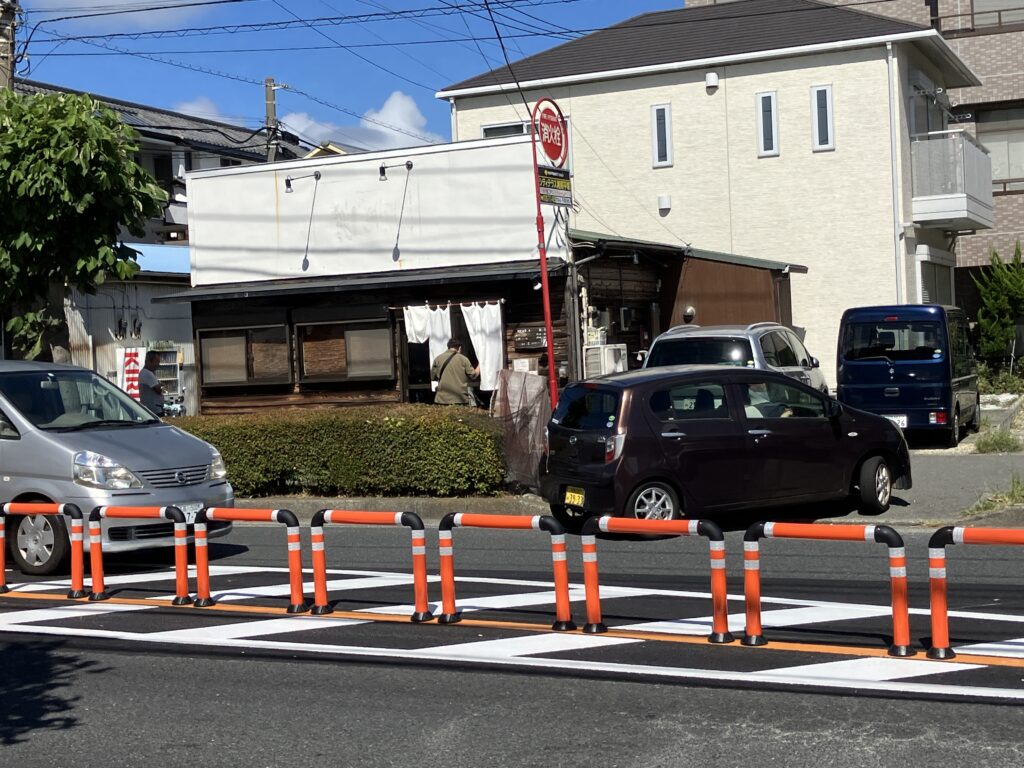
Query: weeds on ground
(997, 441)
(1014, 497)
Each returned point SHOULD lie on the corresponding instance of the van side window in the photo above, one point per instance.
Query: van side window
(7, 429)
(684, 402)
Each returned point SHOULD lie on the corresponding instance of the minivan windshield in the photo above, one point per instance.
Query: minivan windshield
(584, 406)
(893, 341)
(701, 351)
(65, 400)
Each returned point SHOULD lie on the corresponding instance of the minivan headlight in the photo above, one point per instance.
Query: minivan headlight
(98, 471)
(217, 469)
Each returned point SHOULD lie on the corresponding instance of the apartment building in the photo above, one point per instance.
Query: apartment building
(789, 130)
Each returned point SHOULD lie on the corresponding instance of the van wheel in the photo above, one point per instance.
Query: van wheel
(954, 431)
(875, 486)
(654, 501)
(40, 544)
(571, 519)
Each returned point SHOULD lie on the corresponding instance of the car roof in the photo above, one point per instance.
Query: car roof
(28, 366)
(719, 330)
(643, 376)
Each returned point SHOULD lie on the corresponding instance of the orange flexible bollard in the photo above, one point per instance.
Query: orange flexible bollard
(882, 534)
(716, 544)
(175, 515)
(283, 516)
(563, 609)
(421, 610)
(75, 536)
(940, 644)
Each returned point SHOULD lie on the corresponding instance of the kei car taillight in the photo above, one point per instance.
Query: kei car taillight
(613, 447)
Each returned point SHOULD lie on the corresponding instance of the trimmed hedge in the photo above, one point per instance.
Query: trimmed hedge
(388, 451)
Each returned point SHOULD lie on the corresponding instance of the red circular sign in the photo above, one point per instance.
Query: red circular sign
(550, 126)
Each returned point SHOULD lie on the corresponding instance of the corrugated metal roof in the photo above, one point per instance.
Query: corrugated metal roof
(688, 34)
(180, 128)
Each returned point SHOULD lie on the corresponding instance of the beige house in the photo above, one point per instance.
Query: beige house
(790, 130)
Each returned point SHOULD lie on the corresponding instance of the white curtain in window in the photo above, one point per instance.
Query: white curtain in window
(431, 325)
(484, 325)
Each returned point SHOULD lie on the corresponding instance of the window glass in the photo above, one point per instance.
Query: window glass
(698, 351)
(767, 125)
(661, 135)
(682, 402)
(585, 406)
(779, 400)
(768, 349)
(892, 340)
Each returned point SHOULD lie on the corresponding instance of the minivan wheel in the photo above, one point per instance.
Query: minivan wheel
(954, 431)
(40, 544)
(654, 501)
(571, 519)
(875, 485)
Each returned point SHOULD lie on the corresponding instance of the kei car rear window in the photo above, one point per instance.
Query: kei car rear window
(893, 341)
(701, 351)
(587, 407)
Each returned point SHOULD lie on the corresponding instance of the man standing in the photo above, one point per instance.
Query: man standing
(452, 371)
(150, 392)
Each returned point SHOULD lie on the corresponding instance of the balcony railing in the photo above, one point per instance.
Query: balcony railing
(985, 22)
(952, 181)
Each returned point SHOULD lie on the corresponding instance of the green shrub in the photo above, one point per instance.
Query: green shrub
(996, 381)
(376, 450)
(997, 441)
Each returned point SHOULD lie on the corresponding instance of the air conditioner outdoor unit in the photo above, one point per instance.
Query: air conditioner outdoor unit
(602, 359)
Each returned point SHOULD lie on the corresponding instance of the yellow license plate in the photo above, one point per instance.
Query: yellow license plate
(574, 497)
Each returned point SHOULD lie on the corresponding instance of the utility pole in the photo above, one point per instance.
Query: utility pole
(9, 11)
(271, 124)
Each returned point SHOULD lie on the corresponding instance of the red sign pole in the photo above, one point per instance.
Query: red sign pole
(542, 248)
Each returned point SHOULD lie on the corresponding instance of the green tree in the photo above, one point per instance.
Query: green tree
(69, 185)
(1001, 290)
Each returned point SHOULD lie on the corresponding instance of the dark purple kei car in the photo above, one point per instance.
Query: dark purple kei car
(692, 441)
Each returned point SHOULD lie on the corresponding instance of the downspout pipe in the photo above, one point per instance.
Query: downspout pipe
(897, 218)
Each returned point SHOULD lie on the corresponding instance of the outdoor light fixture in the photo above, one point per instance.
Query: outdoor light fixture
(289, 179)
(384, 169)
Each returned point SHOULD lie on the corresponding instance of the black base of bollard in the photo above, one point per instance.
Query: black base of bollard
(73, 594)
(564, 626)
(720, 637)
(753, 640)
(204, 602)
(901, 650)
(941, 653)
(179, 600)
(94, 596)
(421, 616)
(321, 610)
(298, 608)
(449, 618)
(594, 628)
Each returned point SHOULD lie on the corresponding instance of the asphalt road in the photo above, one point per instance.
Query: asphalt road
(89, 702)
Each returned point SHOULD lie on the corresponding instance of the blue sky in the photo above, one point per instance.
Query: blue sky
(390, 77)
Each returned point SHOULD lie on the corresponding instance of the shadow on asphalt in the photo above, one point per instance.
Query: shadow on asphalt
(36, 683)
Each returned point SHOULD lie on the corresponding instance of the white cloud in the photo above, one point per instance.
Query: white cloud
(116, 22)
(386, 128)
(201, 106)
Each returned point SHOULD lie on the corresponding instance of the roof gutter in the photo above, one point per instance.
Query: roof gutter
(926, 35)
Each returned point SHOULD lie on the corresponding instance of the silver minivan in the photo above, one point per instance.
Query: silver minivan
(69, 436)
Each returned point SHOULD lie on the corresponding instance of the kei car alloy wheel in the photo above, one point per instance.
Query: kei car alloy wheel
(41, 543)
(654, 501)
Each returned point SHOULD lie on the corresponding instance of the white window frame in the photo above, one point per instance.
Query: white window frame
(816, 124)
(761, 151)
(655, 162)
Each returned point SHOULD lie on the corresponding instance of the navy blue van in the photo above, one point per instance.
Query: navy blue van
(911, 363)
